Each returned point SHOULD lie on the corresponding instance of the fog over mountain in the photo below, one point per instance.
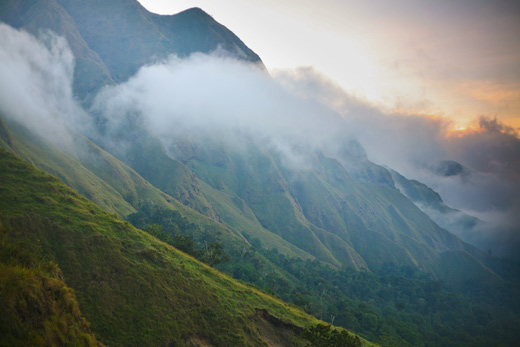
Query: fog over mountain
(292, 111)
(195, 153)
(415, 145)
(206, 93)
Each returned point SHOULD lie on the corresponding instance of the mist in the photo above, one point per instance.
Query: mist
(293, 112)
(218, 97)
(36, 85)
(488, 186)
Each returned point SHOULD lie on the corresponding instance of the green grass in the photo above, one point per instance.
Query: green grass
(246, 223)
(132, 288)
(69, 169)
(38, 308)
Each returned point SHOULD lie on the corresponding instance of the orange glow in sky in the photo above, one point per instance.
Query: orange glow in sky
(458, 59)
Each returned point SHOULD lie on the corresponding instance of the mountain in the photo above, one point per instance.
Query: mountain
(324, 211)
(426, 199)
(340, 236)
(112, 39)
(110, 265)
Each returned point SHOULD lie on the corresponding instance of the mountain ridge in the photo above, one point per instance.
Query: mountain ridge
(151, 37)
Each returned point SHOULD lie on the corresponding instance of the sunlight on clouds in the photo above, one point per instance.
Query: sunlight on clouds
(490, 91)
(418, 57)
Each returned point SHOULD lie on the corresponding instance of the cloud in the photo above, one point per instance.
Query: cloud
(36, 84)
(298, 111)
(214, 96)
(291, 111)
(415, 145)
(489, 146)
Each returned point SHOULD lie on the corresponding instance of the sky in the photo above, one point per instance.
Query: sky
(444, 58)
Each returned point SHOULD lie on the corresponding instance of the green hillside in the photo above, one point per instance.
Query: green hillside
(38, 309)
(118, 189)
(132, 288)
(322, 210)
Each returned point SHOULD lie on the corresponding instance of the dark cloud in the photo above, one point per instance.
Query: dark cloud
(490, 147)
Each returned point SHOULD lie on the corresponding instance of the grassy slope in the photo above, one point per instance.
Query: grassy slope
(383, 225)
(109, 183)
(116, 184)
(93, 173)
(38, 309)
(69, 169)
(146, 155)
(246, 224)
(251, 184)
(131, 287)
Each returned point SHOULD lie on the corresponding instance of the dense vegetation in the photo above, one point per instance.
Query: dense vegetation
(324, 335)
(397, 305)
(171, 227)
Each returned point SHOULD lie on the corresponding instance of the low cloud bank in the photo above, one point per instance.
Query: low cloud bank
(488, 186)
(217, 96)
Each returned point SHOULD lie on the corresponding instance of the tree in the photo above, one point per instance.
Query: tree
(213, 254)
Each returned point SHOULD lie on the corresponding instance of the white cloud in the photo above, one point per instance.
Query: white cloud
(36, 84)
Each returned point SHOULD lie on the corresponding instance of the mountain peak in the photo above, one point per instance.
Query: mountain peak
(194, 11)
(111, 40)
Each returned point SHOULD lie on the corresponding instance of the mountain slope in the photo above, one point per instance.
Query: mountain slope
(321, 209)
(37, 306)
(457, 222)
(110, 265)
(111, 40)
(118, 189)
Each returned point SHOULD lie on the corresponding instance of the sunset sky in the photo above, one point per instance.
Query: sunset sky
(454, 59)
